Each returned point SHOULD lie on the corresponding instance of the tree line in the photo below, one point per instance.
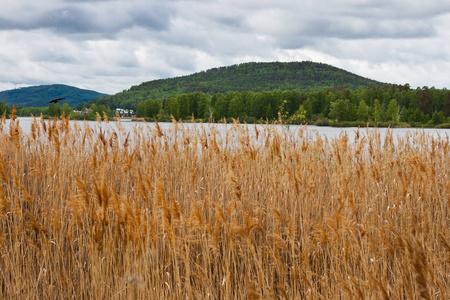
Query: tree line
(79, 112)
(393, 104)
(377, 105)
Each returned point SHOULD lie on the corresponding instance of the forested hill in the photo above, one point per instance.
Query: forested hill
(38, 96)
(256, 77)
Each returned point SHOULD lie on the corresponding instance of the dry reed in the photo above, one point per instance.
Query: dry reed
(256, 212)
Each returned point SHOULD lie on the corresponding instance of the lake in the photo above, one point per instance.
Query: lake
(311, 130)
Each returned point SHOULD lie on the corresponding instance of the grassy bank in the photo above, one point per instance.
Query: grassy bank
(92, 214)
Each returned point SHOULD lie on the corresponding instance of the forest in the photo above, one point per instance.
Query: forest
(255, 77)
(396, 105)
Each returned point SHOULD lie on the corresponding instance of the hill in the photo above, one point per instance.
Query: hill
(38, 96)
(256, 77)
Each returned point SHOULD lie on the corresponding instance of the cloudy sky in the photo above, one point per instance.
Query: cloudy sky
(108, 46)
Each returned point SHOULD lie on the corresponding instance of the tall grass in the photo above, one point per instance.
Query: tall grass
(257, 212)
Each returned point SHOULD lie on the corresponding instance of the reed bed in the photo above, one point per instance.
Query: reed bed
(192, 213)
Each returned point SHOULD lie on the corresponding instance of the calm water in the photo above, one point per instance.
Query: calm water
(329, 132)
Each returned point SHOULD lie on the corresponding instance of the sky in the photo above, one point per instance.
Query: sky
(109, 46)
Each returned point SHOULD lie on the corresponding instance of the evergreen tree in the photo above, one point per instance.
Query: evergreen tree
(269, 112)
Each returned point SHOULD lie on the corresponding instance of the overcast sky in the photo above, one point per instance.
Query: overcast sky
(108, 46)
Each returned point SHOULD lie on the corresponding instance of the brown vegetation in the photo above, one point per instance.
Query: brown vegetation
(254, 213)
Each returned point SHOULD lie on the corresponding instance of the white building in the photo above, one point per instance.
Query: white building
(125, 112)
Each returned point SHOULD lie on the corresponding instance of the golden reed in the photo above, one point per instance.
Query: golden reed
(252, 213)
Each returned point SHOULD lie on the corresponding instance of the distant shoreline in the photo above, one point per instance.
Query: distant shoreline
(334, 124)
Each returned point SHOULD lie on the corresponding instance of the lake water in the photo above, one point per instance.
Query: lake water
(329, 132)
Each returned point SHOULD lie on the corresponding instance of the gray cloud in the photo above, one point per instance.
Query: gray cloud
(109, 45)
(85, 17)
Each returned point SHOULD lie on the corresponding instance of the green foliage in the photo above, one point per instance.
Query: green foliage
(269, 112)
(148, 109)
(236, 107)
(23, 111)
(173, 107)
(447, 106)
(67, 109)
(392, 111)
(282, 113)
(54, 110)
(4, 109)
(374, 105)
(299, 117)
(417, 116)
(363, 111)
(221, 105)
(438, 117)
(100, 109)
(376, 111)
(340, 110)
(254, 77)
(344, 106)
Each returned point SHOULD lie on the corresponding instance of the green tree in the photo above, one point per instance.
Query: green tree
(67, 109)
(202, 105)
(100, 109)
(4, 108)
(54, 110)
(438, 117)
(140, 111)
(269, 112)
(153, 106)
(81, 106)
(185, 109)
(221, 107)
(149, 108)
(236, 108)
(405, 115)
(308, 106)
(174, 109)
(258, 104)
(376, 115)
(392, 111)
(447, 106)
(282, 113)
(416, 116)
(299, 117)
(425, 101)
(339, 110)
(363, 111)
